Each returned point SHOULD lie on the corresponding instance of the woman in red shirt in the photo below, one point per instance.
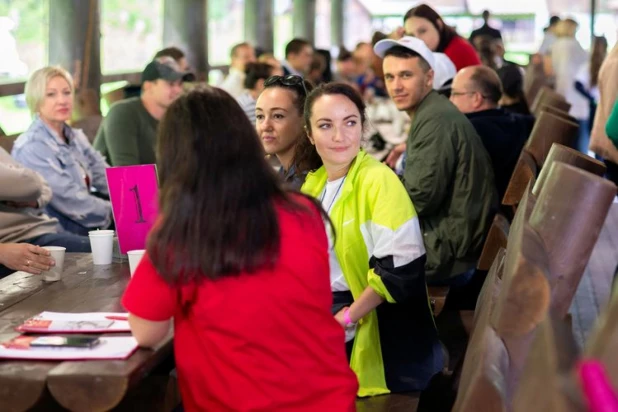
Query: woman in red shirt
(242, 267)
(425, 23)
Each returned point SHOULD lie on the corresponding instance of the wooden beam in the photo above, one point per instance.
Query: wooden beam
(131, 77)
(593, 12)
(336, 22)
(259, 28)
(185, 26)
(74, 34)
(303, 20)
(10, 89)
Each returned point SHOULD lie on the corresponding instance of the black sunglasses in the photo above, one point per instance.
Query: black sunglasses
(291, 80)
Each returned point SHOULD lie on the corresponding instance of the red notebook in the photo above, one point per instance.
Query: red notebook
(94, 322)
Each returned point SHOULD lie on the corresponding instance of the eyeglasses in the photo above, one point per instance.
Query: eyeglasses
(291, 80)
(455, 94)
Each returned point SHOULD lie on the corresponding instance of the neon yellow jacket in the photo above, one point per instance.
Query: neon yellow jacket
(374, 220)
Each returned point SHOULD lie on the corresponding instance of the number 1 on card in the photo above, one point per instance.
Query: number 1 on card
(138, 205)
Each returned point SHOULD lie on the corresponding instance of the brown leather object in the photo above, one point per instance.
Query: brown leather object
(561, 153)
(549, 129)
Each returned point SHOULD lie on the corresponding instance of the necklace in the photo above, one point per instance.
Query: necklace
(334, 197)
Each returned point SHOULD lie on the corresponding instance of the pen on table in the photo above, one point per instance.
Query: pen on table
(117, 317)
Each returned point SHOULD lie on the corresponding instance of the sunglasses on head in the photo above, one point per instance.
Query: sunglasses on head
(291, 80)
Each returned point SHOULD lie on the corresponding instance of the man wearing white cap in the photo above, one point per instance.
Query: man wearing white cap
(448, 173)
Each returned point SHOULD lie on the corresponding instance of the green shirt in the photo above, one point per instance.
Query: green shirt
(128, 134)
(611, 127)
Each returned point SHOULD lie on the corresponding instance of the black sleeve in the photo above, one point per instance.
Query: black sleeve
(402, 282)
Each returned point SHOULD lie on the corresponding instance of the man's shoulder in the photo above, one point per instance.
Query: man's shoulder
(439, 110)
(130, 105)
(500, 123)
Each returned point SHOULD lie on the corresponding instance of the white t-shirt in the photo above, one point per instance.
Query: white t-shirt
(329, 196)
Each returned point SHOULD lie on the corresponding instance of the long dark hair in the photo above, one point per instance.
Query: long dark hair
(305, 158)
(513, 85)
(218, 193)
(342, 89)
(597, 56)
(446, 32)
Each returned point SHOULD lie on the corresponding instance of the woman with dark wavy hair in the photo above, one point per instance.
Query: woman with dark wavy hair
(377, 264)
(425, 23)
(241, 265)
(279, 123)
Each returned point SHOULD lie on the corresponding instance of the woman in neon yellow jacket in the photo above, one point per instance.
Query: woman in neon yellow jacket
(377, 263)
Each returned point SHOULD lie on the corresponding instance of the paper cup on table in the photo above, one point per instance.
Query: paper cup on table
(55, 273)
(102, 244)
(134, 257)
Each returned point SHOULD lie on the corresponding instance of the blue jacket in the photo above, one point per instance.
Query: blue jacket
(68, 168)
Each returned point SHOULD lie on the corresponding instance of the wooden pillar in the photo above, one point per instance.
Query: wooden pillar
(259, 27)
(74, 43)
(593, 12)
(336, 22)
(185, 26)
(304, 19)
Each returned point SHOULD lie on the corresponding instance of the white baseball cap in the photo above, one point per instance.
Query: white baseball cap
(444, 70)
(411, 43)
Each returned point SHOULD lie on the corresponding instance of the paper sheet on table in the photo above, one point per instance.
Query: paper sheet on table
(109, 348)
(58, 322)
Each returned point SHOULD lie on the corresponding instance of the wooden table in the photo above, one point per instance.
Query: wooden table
(74, 385)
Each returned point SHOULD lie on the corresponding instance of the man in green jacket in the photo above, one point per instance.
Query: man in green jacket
(128, 133)
(448, 173)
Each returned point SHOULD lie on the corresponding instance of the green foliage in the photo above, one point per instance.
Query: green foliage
(128, 13)
(33, 18)
(217, 9)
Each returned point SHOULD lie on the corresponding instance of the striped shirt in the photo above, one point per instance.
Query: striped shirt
(247, 103)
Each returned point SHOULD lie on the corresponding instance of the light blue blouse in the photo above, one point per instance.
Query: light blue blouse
(67, 167)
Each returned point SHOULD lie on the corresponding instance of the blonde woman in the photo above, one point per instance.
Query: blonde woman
(62, 154)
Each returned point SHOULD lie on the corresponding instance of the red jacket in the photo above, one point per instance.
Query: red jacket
(462, 53)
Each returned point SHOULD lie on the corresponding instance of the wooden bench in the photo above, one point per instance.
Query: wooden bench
(525, 171)
(603, 340)
(548, 97)
(569, 214)
(547, 383)
(558, 112)
(512, 306)
(497, 238)
(485, 388)
(549, 129)
(564, 154)
(499, 231)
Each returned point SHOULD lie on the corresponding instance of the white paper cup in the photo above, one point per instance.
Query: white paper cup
(134, 258)
(101, 233)
(102, 244)
(55, 273)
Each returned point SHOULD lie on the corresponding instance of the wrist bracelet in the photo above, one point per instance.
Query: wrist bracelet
(346, 317)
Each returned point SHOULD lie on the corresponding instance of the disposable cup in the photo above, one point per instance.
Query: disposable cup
(55, 273)
(102, 244)
(101, 233)
(134, 258)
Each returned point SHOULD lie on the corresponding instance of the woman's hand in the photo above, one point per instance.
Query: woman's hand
(25, 257)
(339, 317)
(21, 205)
(395, 154)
